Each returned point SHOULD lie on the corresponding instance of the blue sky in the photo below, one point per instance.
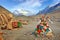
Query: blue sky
(33, 6)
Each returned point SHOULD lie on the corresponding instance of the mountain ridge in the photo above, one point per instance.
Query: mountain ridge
(48, 10)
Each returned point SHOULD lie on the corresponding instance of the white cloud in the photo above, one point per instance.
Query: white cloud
(54, 2)
(28, 3)
(36, 4)
(18, 0)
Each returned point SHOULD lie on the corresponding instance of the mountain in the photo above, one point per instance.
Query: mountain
(5, 15)
(17, 13)
(22, 12)
(50, 9)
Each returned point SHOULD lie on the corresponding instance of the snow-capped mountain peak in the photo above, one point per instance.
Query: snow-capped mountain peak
(21, 12)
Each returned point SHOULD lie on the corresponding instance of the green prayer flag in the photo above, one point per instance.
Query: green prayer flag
(19, 24)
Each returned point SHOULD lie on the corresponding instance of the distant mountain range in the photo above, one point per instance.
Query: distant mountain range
(22, 12)
(27, 13)
(17, 13)
(50, 9)
(45, 11)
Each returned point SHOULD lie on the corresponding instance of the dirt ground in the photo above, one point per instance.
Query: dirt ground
(25, 33)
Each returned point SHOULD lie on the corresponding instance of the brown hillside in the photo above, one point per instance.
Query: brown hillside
(5, 15)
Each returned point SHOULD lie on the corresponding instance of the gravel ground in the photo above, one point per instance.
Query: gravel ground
(25, 32)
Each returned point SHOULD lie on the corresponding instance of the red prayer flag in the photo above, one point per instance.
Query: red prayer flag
(14, 24)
